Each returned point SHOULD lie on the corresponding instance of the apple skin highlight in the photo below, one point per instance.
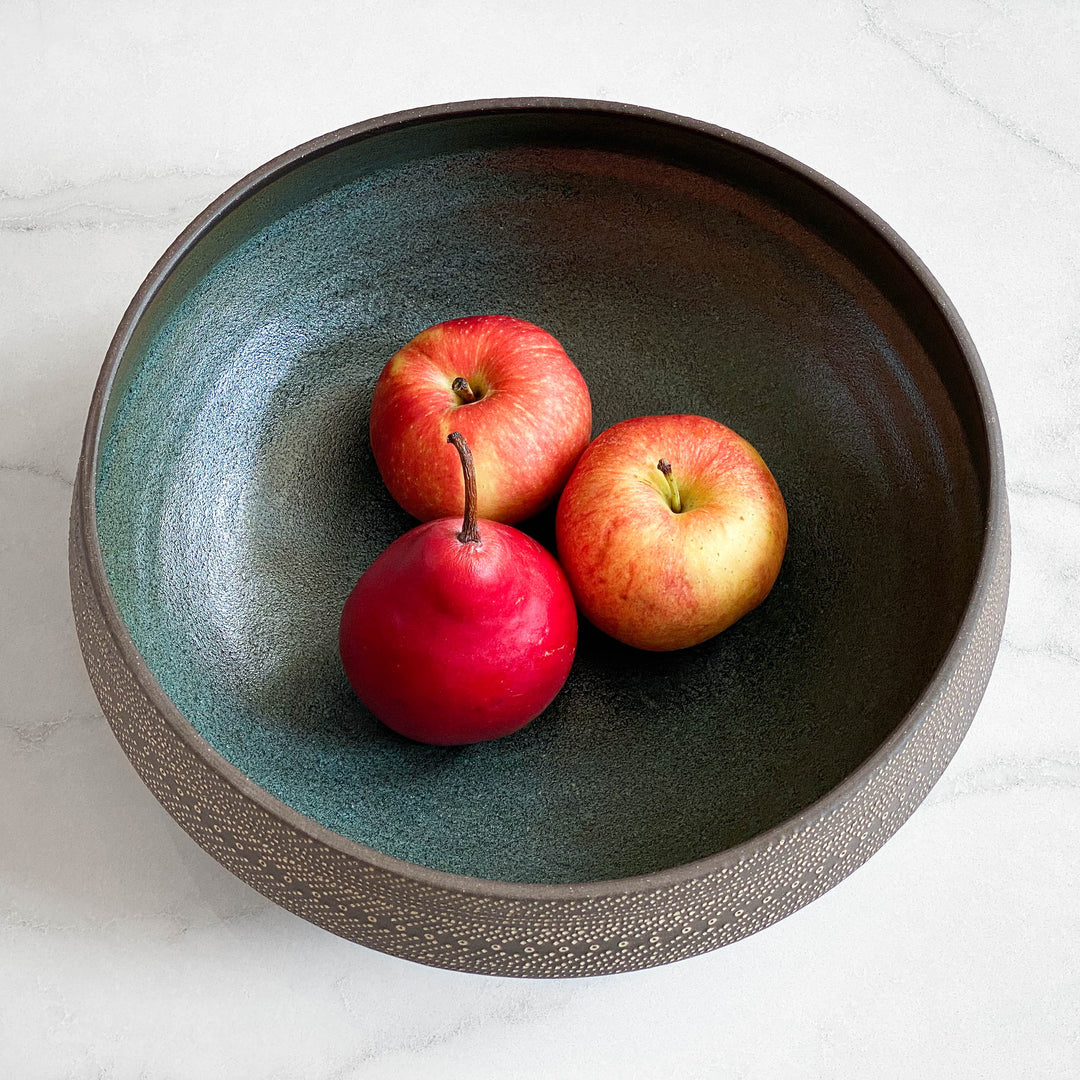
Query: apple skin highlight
(655, 578)
(529, 425)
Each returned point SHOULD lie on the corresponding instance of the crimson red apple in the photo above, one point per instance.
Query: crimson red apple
(509, 388)
(460, 631)
(670, 529)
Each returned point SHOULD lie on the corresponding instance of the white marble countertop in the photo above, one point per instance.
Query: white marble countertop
(126, 952)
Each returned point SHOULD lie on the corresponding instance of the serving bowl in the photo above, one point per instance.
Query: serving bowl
(665, 804)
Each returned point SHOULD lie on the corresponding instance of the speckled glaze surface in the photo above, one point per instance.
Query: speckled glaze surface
(664, 805)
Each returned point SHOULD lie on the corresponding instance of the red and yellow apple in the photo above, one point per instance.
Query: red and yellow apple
(509, 388)
(670, 529)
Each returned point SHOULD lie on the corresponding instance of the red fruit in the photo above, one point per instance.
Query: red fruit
(509, 388)
(459, 632)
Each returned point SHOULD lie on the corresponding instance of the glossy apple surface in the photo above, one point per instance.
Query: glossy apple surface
(529, 422)
(660, 570)
(450, 640)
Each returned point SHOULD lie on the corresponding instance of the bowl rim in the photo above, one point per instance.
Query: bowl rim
(86, 486)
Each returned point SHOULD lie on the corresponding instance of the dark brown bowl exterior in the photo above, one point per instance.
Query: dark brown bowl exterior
(498, 928)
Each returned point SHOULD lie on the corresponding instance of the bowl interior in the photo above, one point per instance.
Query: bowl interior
(238, 500)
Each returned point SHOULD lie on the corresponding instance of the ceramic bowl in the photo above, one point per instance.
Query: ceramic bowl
(665, 804)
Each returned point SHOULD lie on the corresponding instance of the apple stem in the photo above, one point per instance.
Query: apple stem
(469, 534)
(673, 488)
(461, 387)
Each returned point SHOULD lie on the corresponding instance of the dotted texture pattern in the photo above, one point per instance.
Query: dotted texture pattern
(638, 923)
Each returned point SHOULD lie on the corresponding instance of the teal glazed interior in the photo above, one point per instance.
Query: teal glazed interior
(238, 501)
